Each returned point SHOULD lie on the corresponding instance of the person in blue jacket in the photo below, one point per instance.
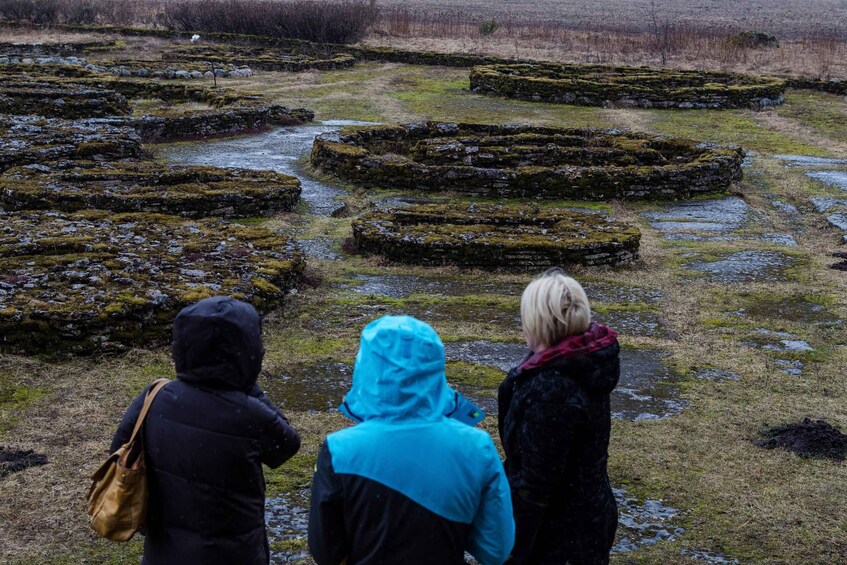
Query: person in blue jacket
(412, 483)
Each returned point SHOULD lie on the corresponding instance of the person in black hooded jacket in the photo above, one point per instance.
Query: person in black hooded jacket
(554, 422)
(205, 439)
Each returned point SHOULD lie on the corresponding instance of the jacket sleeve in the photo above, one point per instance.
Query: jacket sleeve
(493, 530)
(327, 536)
(280, 441)
(127, 424)
(545, 436)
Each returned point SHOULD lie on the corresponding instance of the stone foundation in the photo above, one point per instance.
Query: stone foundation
(626, 87)
(25, 140)
(492, 237)
(148, 187)
(95, 282)
(527, 161)
(263, 58)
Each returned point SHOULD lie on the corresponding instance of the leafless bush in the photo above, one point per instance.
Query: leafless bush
(325, 22)
(34, 11)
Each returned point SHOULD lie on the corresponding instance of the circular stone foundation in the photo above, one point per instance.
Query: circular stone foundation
(527, 161)
(26, 139)
(491, 237)
(628, 87)
(53, 100)
(101, 282)
(148, 187)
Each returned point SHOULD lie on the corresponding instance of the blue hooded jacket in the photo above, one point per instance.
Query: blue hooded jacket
(409, 484)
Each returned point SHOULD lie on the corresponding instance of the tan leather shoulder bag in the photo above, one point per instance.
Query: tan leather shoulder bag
(117, 501)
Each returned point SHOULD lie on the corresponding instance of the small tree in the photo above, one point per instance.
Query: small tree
(487, 27)
(661, 33)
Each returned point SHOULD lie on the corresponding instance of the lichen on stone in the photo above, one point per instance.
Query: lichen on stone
(148, 187)
(26, 140)
(95, 281)
(527, 161)
(53, 100)
(491, 237)
(630, 87)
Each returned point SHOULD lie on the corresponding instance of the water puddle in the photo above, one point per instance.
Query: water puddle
(287, 520)
(745, 266)
(644, 523)
(279, 150)
(807, 161)
(778, 341)
(309, 388)
(825, 203)
(322, 249)
(403, 286)
(646, 390)
(720, 215)
(837, 179)
(621, 293)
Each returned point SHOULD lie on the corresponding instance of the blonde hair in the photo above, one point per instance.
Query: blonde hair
(554, 306)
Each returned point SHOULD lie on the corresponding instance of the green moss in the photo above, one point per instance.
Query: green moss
(14, 401)
(100, 552)
(739, 127)
(468, 374)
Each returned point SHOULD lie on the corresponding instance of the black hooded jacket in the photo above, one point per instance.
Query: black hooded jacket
(206, 437)
(555, 420)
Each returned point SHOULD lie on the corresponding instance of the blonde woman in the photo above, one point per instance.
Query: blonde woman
(554, 422)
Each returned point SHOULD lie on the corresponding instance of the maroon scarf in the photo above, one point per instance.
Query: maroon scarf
(595, 338)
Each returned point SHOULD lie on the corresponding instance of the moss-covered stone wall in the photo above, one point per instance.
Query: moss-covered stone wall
(148, 187)
(527, 161)
(494, 237)
(95, 281)
(631, 87)
(26, 140)
(21, 95)
(257, 57)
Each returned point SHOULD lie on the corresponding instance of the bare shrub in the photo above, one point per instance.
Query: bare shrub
(323, 22)
(34, 11)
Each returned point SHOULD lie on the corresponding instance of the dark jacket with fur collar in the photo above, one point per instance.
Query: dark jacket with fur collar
(554, 420)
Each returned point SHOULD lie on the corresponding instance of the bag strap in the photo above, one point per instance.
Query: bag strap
(158, 385)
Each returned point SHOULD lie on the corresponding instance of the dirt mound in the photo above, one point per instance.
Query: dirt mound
(14, 460)
(809, 438)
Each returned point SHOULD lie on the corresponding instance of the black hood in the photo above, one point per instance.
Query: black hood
(218, 341)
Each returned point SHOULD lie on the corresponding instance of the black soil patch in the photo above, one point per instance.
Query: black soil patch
(490, 237)
(627, 87)
(14, 460)
(527, 161)
(809, 438)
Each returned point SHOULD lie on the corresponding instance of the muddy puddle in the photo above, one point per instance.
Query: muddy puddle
(745, 266)
(280, 150)
(287, 520)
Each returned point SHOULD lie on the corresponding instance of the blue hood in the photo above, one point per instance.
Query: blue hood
(399, 375)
